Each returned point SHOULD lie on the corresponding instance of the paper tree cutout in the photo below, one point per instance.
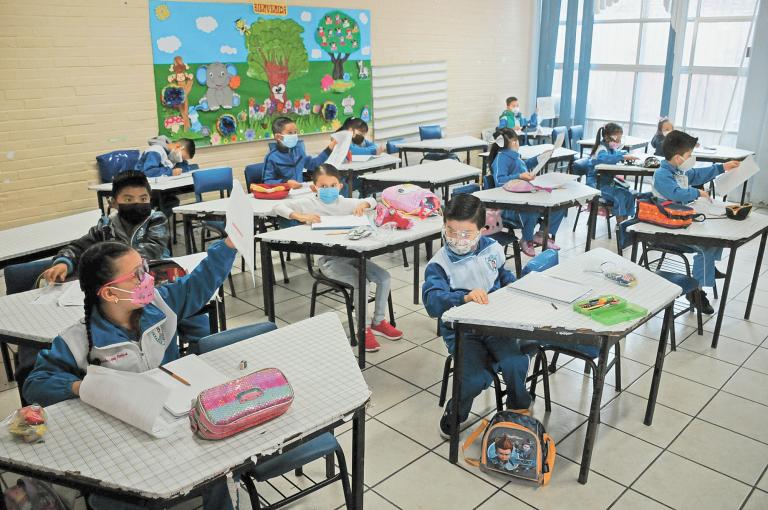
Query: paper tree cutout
(338, 35)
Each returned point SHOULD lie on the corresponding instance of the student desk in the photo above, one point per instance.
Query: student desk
(443, 145)
(38, 240)
(638, 172)
(303, 240)
(630, 143)
(162, 187)
(536, 320)
(723, 233)
(25, 322)
(430, 175)
(572, 194)
(561, 155)
(379, 162)
(88, 450)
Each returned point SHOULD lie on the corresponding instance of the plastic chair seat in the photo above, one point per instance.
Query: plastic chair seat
(321, 446)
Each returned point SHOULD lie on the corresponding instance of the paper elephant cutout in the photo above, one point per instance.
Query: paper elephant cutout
(219, 93)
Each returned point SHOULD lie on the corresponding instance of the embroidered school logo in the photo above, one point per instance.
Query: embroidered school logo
(492, 263)
(116, 357)
(158, 335)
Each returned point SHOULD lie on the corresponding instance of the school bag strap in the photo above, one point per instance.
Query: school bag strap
(470, 440)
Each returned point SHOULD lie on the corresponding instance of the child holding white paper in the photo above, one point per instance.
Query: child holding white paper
(287, 158)
(129, 325)
(506, 164)
(327, 202)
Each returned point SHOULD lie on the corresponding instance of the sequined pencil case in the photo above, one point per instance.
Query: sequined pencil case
(237, 405)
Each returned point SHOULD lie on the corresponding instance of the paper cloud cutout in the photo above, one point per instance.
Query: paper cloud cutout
(168, 44)
(363, 18)
(228, 50)
(306, 16)
(365, 50)
(316, 53)
(206, 24)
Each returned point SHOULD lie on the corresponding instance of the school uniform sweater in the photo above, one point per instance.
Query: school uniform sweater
(671, 183)
(282, 164)
(367, 148)
(509, 165)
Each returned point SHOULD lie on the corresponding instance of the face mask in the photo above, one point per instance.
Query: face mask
(665, 133)
(358, 139)
(143, 293)
(175, 156)
(516, 110)
(328, 195)
(461, 246)
(134, 213)
(290, 141)
(515, 146)
(687, 164)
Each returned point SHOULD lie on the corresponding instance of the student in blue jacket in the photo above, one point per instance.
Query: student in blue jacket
(506, 164)
(129, 325)
(674, 181)
(164, 157)
(467, 268)
(360, 145)
(607, 151)
(513, 118)
(286, 159)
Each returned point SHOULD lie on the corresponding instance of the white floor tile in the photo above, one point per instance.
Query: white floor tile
(698, 368)
(757, 501)
(632, 500)
(728, 349)
(676, 392)
(737, 414)
(419, 366)
(758, 361)
(627, 412)
(740, 329)
(749, 384)
(387, 389)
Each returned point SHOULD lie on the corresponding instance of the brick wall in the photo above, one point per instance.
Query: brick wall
(78, 82)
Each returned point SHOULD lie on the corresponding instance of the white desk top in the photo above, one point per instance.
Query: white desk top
(381, 238)
(435, 172)
(261, 208)
(570, 192)
(721, 153)
(313, 354)
(380, 161)
(516, 310)
(532, 151)
(539, 132)
(456, 143)
(21, 318)
(630, 169)
(628, 141)
(713, 228)
(163, 183)
(37, 237)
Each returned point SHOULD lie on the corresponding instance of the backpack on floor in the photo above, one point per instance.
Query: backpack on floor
(411, 200)
(514, 445)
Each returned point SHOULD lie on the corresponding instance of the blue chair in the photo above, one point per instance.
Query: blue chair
(393, 145)
(112, 163)
(254, 174)
(206, 181)
(575, 133)
(434, 132)
(231, 336)
(557, 131)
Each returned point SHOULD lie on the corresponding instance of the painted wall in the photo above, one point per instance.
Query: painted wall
(78, 82)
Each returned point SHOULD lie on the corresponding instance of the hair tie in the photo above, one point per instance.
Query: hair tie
(499, 141)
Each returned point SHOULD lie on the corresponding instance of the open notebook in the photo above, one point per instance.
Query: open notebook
(341, 222)
(151, 401)
(550, 288)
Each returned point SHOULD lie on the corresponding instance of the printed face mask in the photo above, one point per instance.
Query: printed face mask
(688, 163)
(461, 244)
(290, 141)
(328, 195)
(134, 213)
(143, 293)
(614, 145)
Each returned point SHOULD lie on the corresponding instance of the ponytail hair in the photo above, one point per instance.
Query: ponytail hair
(507, 135)
(95, 268)
(603, 134)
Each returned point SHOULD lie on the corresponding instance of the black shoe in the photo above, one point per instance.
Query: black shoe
(719, 275)
(445, 427)
(706, 306)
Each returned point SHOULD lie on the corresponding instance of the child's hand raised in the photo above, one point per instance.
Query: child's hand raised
(478, 296)
(360, 209)
(731, 165)
(332, 144)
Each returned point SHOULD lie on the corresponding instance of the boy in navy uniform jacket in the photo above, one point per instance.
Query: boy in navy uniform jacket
(287, 159)
(164, 157)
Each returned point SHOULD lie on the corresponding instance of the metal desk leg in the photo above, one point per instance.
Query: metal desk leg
(592, 226)
(458, 352)
(6, 354)
(403, 158)
(358, 456)
(222, 310)
(351, 183)
(416, 274)
(266, 281)
(744, 191)
(362, 309)
(594, 411)
(660, 354)
(633, 256)
(756, 275)
(468, 157)
(545, 230)
(724, 297)
(187, 223)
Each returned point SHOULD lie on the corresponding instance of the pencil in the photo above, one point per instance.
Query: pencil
(175, 376)
(553, 306)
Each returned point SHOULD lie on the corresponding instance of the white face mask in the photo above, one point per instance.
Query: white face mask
(516, 110)
(175, 156)
(688, 163)
(665, 133)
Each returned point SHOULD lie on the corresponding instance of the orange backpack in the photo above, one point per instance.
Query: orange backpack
(666, 213)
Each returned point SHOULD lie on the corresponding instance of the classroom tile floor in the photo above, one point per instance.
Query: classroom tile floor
(707, 448)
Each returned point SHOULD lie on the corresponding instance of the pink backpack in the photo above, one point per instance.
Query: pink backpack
(411, 200)
(493, 222)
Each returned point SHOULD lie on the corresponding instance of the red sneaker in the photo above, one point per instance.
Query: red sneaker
(371, 345)
(387, 330)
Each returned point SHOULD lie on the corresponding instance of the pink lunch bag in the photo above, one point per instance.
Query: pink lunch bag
(411, 200)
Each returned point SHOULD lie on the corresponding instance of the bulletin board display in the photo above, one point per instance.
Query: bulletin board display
(223, 72)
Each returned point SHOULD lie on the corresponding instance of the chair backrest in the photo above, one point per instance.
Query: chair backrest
(541, 262)
(488, 182)
(465, 190)
(254, 174)
(575, 133)
(214, 179)
(432, 132)
(582, 166)
(23, 277)
(393, 145)
(231, 336)
(557, 131)
(486, 134)
(112, 163)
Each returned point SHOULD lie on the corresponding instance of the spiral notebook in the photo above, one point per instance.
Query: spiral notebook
(550, 288)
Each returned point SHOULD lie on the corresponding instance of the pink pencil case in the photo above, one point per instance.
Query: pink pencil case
(225, 410)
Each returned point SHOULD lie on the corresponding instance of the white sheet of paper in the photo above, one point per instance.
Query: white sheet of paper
(197, 372)
(710, 208)
(545, 156)
(550, 289)
(304, 190)
(49, 295)
(545, 107)
(359, 158)
(72, 295)
(339, 153)
(341, 222)
(134, 398)
(554, 180)
(240, 225)
(729, 181)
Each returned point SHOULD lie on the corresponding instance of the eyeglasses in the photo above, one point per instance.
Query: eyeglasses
(137, 274)
(459, 234)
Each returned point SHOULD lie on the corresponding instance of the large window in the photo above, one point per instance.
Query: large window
(629, 51)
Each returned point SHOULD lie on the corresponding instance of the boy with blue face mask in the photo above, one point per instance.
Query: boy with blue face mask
(287, 159)
(674, 181)
(326, 184)
(468, 268)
